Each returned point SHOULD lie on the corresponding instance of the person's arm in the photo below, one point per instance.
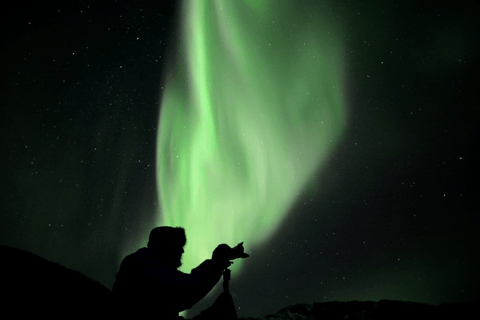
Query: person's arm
(185, 290)
(191, 288)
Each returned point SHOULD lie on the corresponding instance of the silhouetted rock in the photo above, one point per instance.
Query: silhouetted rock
(33, 286)
(370, 310)
(297, 312)
(344, 310)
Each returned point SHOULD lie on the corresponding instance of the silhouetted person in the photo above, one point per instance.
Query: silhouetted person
(150, 284)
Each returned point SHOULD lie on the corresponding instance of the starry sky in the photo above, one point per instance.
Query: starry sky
(392, 214)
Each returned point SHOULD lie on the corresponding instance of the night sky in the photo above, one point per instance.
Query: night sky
(392, 214)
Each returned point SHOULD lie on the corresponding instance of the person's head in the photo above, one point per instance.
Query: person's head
(168, 243)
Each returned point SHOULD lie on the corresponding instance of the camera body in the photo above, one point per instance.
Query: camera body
(224, 252)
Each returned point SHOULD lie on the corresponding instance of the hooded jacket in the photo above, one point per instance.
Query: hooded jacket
(146, 286)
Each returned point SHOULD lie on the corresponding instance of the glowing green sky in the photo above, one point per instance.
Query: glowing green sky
(252, 105)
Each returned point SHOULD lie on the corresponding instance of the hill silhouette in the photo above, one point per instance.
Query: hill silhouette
(33, 286)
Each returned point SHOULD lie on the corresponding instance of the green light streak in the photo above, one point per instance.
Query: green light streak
(250, 109)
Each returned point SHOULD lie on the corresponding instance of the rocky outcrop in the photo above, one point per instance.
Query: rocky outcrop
(370, 310)
(32, 286)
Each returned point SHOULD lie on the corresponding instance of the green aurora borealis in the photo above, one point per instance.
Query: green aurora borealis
(252, 104)
(387, 210)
